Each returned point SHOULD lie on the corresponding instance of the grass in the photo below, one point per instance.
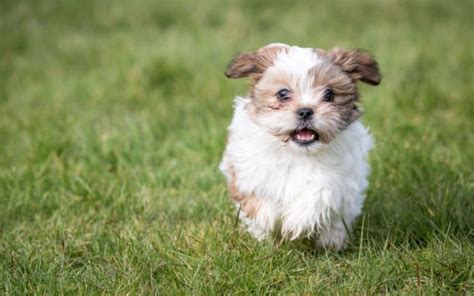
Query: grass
(112, 124)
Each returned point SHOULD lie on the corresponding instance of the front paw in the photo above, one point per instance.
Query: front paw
(335, 239)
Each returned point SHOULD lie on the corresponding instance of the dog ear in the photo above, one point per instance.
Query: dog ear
(359, 64)
(242, 65)
(254, 63)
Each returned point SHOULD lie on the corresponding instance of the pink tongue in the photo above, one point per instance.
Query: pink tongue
(305, 135)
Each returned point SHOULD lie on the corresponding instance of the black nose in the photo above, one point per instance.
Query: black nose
(304, 113)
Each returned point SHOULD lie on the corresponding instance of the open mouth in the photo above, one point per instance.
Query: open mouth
(304, 136)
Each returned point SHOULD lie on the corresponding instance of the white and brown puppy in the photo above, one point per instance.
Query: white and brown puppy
(296, 152)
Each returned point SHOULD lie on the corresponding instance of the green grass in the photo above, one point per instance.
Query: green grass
(112, 124)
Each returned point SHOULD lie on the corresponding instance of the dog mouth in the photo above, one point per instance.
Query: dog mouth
(304, 136)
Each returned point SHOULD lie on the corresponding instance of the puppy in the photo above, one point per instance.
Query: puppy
(296, 153)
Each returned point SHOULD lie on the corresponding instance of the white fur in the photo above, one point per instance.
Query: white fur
(315, 192)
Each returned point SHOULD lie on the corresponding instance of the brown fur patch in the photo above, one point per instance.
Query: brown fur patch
(241, 65)
(253, 64)
(359, 64)
(326, 75)
(263, 93)
(249, 203)
(344, 106)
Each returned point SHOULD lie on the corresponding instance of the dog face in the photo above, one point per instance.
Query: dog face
(304, 96)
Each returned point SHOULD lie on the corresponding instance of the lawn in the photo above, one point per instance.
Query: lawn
(113, 120)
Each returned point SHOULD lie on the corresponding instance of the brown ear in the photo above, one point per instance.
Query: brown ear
(242, 65)
(249, 63)
(359, 64)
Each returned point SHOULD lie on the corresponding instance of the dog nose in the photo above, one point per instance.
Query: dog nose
(304, 113)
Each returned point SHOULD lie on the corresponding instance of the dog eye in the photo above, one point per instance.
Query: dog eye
(283, 94)
(328, 95)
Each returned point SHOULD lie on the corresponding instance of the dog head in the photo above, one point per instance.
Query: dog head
(304, 96)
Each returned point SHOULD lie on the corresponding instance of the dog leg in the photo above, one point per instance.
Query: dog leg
(333, 237)
(260, 221)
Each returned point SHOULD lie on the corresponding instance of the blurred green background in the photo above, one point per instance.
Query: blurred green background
(113, 119)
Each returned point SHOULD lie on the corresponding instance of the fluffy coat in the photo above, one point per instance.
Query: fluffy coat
(313, 190)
